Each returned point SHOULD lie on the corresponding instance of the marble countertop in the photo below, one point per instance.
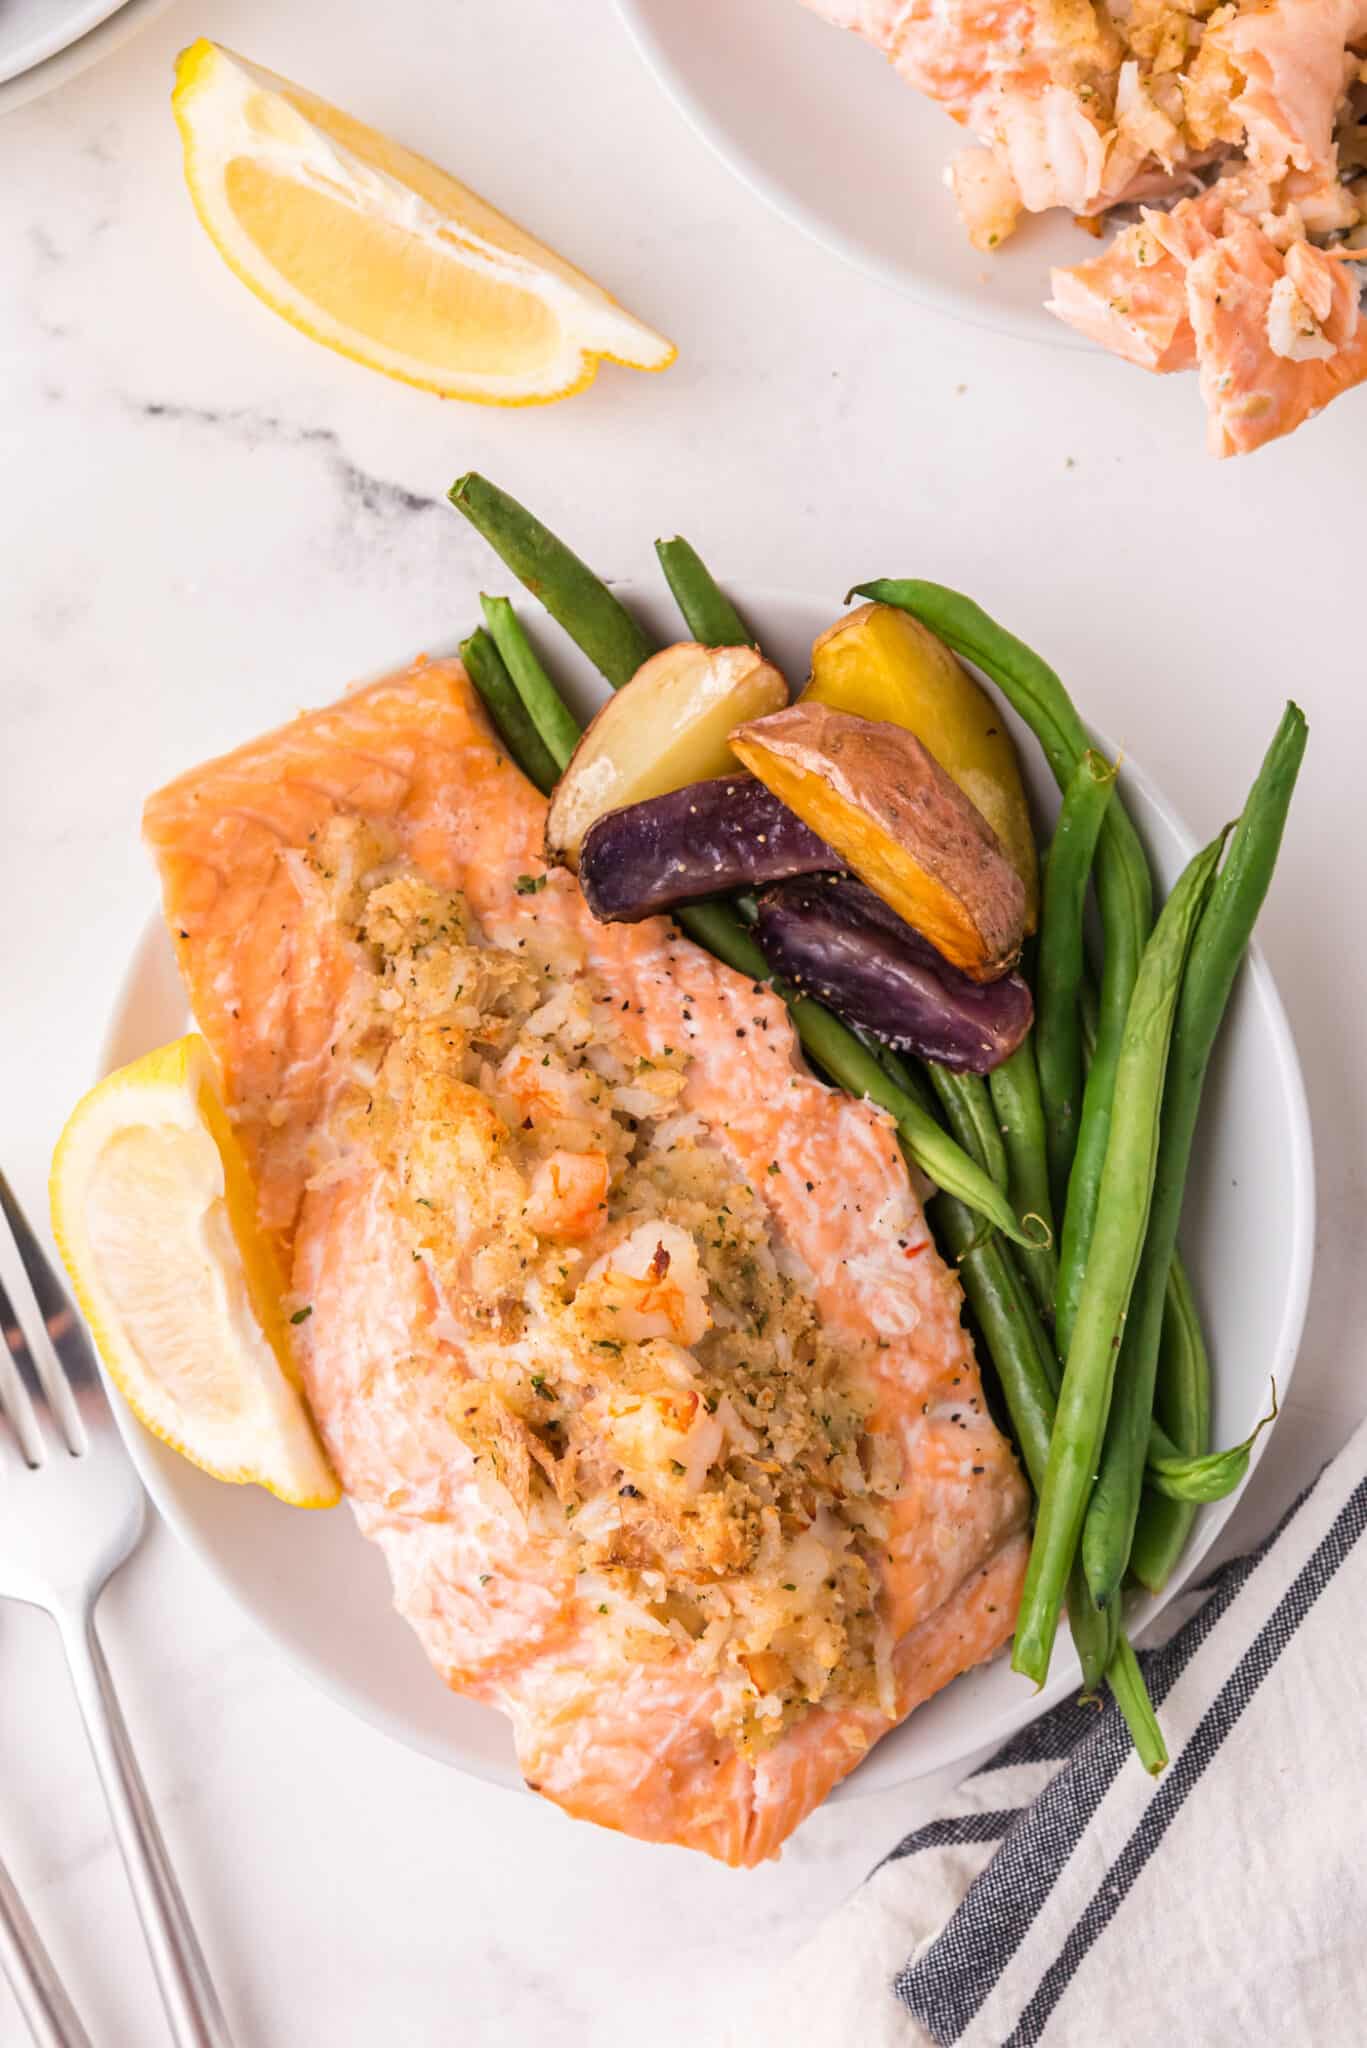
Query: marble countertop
(205, 521)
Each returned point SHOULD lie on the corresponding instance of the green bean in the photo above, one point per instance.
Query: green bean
(1020, 1352)
(485, 667)
(1183, 1373)
(1122, 1221)
(1123, 884)
(554, 721)
(1026, 1370)
(1058, 1023)
(1219, 945)
(1194, 1480)
(1126, 929)
(1132, 1698)
(909, 1077)
(1183, 1396)
(580, 601)
(1027, 1373)
(968, 1111)
(708, 613)
(1015, 1091)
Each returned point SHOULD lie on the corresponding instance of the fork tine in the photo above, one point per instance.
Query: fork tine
(66, 1332)
(73, 1377)
(26, 1398)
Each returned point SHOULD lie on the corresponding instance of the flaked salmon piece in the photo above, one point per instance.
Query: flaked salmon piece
(576, 1315)
(1225, 286)
(1288, 65)
(1132, 298)
(1265, 362)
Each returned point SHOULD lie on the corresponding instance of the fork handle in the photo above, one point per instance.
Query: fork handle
(49, 2013)
(187, 1992)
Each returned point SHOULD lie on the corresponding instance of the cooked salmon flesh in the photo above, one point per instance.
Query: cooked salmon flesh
(1091, 106)
(624, 1332)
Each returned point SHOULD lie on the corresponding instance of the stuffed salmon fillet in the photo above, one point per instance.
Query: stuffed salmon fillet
(625, 1333)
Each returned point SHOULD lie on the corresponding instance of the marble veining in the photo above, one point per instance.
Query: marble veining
(254, 429)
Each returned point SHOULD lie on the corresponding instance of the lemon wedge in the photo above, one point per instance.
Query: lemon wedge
(155, 1215)
(376, 252)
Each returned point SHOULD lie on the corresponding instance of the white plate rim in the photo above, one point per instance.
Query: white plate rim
(75, 57)
(922, 290)
(992, 1729)
(78, 21)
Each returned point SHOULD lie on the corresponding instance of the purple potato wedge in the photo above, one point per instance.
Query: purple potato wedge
(703, 840)
(832, 938)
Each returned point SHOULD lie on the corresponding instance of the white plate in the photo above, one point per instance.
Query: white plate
(114, 28)
(31, 30)
(323, 1592)
(815, 120)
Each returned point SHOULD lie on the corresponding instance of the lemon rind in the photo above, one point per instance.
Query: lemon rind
(302, 1476)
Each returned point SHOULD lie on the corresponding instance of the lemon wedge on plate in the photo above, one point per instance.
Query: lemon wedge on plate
(376, 252)
(155, 1215)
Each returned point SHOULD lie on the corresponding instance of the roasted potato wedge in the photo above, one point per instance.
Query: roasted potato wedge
(878, 796)
(668, 726)
(832, 938)
(729, 832)
(880, 663)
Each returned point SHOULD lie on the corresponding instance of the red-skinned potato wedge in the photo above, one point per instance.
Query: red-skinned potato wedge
(879, 662)
(875, 794)
(668, 726)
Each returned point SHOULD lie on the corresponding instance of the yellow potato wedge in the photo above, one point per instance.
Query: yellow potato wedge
(880, 798)
(879, 663)
(669, 726)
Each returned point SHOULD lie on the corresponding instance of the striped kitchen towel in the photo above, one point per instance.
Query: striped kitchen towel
(1065, 1897)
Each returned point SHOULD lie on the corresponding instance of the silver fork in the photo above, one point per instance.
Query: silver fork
(71, 1511)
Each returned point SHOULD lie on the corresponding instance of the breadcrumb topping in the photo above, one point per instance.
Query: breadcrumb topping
(633, 1361)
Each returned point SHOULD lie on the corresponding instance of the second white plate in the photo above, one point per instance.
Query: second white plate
(815, 121)
(32, 30)
(73, 57)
